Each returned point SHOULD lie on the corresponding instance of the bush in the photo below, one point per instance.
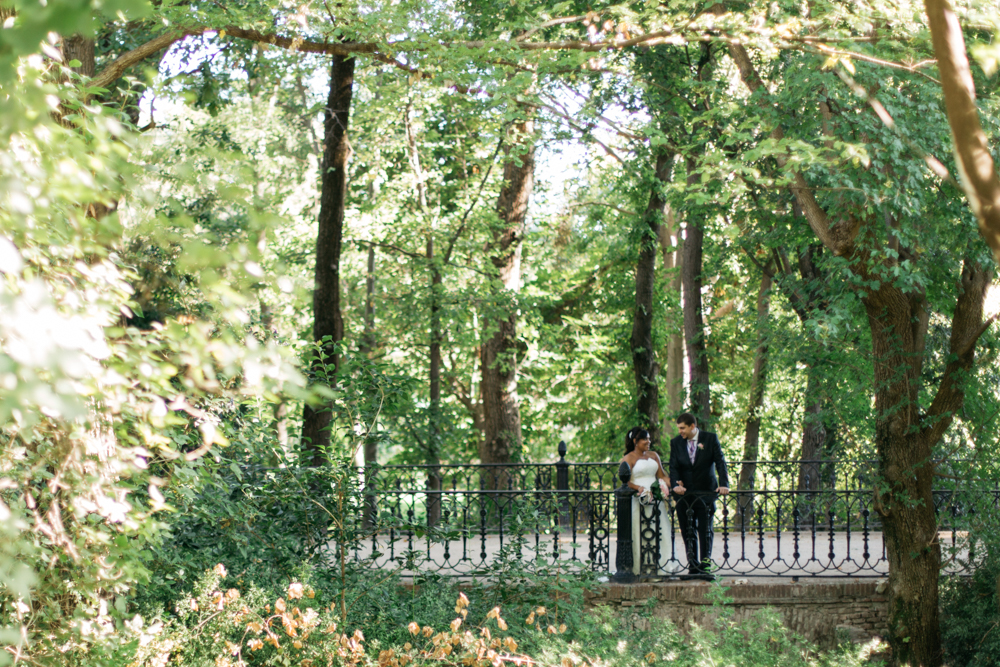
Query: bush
(970, 611)
(388, 625)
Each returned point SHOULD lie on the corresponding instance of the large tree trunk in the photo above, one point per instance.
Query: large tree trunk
(328, 323)
(907, 505)
(671, 247)
(694, 320)
(751, 439)
(904, 440)
(644, 362)
(501, 412)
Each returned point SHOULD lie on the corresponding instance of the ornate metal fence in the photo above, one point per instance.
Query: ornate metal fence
(799, 519)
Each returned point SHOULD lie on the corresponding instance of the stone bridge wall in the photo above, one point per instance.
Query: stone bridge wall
(825, 613)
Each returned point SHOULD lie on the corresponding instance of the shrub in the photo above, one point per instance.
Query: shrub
(220, 626)
(970, 611)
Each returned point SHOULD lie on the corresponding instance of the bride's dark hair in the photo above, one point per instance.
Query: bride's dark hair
(634, 434)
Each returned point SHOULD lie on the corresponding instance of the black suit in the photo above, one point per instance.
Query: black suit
(698, 508)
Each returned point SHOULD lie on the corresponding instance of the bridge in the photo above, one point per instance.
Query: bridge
(794, 520)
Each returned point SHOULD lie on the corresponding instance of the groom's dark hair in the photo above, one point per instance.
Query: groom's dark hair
(688, 419)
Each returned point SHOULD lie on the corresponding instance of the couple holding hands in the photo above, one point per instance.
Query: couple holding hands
(695, 457)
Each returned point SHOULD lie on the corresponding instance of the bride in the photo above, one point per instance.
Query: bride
(647, 474)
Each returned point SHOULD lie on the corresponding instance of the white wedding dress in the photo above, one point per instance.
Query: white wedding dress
(644, 474)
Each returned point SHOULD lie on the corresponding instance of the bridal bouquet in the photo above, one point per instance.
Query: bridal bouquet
(652, 495)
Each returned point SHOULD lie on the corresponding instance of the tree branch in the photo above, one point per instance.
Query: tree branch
(933, 163)
(972, 152)
(605, 204)
(116, 69)
(967, 326)
(301, 44)
(465, 218)
(839, 237)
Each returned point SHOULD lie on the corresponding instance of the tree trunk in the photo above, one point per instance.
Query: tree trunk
(904, 440)
(910, 526)
(694, 321)
(501, 412)
(368, 343)
(434, 411)
(81, 48)
(433, 453)
(671, 246)
(813, 431)
(751, 440)
(644, 362)
(328, 323)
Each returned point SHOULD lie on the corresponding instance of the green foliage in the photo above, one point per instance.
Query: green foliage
(155, 294)
(226, 622)
(970, 614)
(88, 403)
(970, 604)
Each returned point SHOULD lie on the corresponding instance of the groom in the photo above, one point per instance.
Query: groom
(695, 456)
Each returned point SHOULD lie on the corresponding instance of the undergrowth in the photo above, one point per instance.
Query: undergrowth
(224, 624)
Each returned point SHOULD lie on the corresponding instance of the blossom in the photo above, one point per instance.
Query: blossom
(295, 591)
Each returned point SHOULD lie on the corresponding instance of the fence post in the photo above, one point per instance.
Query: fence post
(623, 508)
(562, 483)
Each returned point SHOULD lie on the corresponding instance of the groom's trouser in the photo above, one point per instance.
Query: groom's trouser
(694, 516)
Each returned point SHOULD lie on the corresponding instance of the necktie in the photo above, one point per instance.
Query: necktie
(691, 450)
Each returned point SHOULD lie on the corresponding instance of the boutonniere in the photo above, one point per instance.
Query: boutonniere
(701, 445)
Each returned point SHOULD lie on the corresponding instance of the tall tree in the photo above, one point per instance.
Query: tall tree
(905, 432)
(671, 249)
(808, 300)
(435, 290)
(644, 363)
(501, 411)
(758, 385)
(368, 345)
(328, 322)
(699, 394)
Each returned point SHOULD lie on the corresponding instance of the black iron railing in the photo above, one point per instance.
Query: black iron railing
(799, 519)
